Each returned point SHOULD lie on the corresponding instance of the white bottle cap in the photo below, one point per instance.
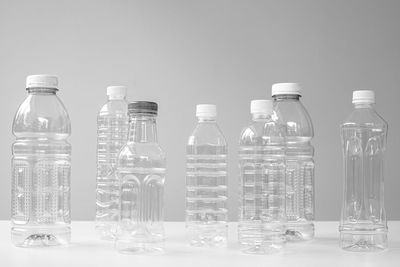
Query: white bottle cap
(363, 97)
(42, 81)
(261, 106)
(286, 89)
(116, 92)
(206, 111)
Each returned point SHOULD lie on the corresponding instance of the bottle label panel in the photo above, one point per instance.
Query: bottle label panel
(300, 190)
(141, 206)
(363, 151)
(262, 191)
(41, 191)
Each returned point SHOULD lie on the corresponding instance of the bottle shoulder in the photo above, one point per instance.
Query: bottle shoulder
(41, 116)
(141, 155)
(364, 118)
(262, 133)
(114, 107)
(295, 117)
(207, 134)
(143, 150)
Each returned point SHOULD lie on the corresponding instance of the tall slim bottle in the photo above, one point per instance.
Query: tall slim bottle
(299, 132)
(207, 181)
(363, 222)
(262, 197)
(141, 173)
(112, 134)
(41, 166)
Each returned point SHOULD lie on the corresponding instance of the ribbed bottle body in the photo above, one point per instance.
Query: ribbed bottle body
(262, 188)
(112, 135)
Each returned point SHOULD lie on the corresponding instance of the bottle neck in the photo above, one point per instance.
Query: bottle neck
(42, 91)
(207, 120)
(142, 128)
(286, 97)
(363, 105)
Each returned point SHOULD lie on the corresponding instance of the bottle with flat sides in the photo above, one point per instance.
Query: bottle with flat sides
(299, 132)
(141, 174)
(363, 222)
(206, 181)
(262, 195)
(112, 134)
(41, 165)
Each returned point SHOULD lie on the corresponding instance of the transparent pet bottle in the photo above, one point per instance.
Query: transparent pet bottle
(112, 134)
(262, 195)
(363, 222)
(41, 165)
(206, 181)
(141, 173)
(299, 132)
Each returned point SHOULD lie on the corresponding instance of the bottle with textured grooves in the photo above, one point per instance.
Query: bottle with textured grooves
(363, 225)
(206, 182)
(300, 165)
(112, 134)
(262, 195)
(141, 172)
(41, 166)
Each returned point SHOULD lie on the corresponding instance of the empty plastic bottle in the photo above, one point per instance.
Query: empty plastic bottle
(141, 172)
(299, 161)
(262, 195)
(41, 166)
(112, 134)
(363, 222)
(206, 181)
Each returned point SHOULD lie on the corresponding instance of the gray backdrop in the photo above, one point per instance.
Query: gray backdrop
(180, 53)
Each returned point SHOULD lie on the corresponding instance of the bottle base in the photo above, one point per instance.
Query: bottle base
(261, 238)
(40, 237)
(106, 231)
(130, 247)
(214, 235)
(297, 232)
(271, 248)
(361, 242)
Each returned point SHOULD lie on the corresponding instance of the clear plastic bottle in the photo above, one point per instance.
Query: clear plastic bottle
(112, 134)
(262, 195)
(41, 165)
(363, 222)
(141, 172)
(206, 181)
(299, 161)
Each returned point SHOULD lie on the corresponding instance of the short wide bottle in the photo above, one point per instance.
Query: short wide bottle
(262, 216)
(206, 181)
(363, 222)
(141, 174)
(41, 166)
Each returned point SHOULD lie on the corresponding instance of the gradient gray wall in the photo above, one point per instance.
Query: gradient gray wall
(180, 53)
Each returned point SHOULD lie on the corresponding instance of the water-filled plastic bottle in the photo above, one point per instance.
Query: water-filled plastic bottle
(363, 222)
(262, 195)
(41, 165)
(206, 181)
(299, 161)
(112, 134)
(141, 173)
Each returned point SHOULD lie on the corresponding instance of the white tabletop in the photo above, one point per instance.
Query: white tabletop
(87, 250)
